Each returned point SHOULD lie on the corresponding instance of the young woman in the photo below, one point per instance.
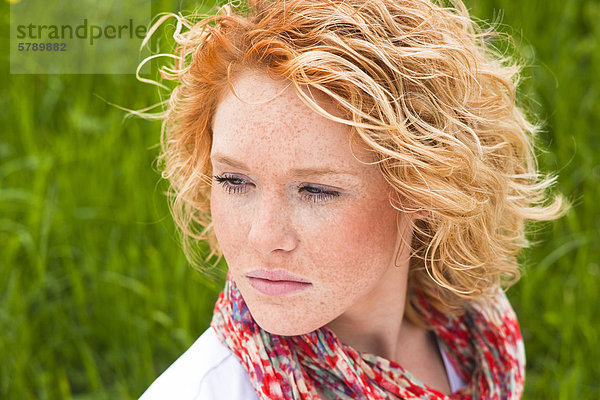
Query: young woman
(363, 169)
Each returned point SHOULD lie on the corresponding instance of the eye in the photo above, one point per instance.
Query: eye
(316, 194)
(232, 184)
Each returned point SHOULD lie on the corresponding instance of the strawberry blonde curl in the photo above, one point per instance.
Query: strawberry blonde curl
(419, 84)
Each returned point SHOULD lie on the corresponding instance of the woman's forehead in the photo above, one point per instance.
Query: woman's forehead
(271, 122)
(254, 91)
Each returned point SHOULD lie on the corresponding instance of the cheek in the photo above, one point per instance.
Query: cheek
(355, 244)
(228, 224)
(347, 256)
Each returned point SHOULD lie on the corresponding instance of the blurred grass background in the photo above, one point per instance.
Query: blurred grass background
(96, 298)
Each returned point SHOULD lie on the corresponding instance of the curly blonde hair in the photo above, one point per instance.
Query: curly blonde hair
(419, 84)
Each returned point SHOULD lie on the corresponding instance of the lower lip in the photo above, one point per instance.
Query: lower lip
(277, 288)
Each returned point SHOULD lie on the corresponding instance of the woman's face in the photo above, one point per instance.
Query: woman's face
(306, 229)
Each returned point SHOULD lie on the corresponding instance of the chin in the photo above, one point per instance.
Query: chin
(281, 327)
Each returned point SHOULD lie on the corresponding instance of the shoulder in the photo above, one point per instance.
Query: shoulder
(207, 370)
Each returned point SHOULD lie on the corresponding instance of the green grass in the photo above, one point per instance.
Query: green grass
(96, 298)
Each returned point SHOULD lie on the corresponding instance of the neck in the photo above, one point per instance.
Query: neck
(376, 325)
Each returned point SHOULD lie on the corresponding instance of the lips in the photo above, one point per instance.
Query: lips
(277, 282)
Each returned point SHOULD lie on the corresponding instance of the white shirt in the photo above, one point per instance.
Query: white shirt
(208, 370)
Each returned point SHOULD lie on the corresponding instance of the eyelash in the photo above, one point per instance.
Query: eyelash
(236, 188)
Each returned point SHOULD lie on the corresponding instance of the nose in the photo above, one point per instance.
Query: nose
(271, 228)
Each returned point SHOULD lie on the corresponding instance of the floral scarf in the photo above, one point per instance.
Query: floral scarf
(484, 346)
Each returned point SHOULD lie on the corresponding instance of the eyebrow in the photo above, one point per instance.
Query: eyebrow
(300, 172)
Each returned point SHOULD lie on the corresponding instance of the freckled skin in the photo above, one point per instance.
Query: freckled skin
(353, 248)
(345, 246)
